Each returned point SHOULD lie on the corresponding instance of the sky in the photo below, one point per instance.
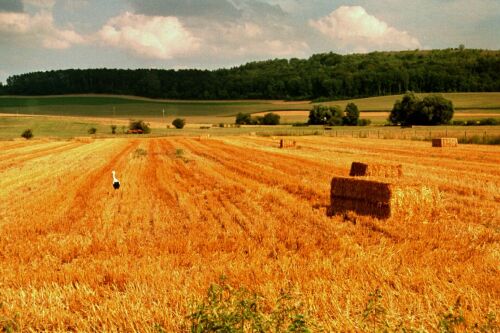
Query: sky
(38, 35)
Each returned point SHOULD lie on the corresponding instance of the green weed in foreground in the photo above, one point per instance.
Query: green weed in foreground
(230, 310)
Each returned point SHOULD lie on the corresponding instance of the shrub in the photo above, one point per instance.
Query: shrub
(179, 123)
(27, 134)
(351, 115)
(364, 122)
(227, 309)
(138, 126)
(458, 122)
(92, 130)
(488, 121)
(113, 129)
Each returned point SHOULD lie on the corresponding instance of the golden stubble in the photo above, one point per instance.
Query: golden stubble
(77, 255)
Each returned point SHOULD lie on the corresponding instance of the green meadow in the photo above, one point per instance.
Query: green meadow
(136, 107)
(73, 115)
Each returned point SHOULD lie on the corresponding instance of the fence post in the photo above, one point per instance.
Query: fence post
(465, 135)
(446, 132)
(484, 137)
(378, 134)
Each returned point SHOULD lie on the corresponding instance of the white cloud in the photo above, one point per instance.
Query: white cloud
(155, 37)
(230, 40)
(352, 27)
(38, 28)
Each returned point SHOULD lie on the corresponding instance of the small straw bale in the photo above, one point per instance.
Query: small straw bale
(287, 143)
(83, 139)
(376, 170)
(445, 142)
(381, 199)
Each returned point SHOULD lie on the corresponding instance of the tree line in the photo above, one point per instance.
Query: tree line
(322, 76)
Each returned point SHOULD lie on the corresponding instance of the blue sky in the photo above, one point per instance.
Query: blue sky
(58, 34)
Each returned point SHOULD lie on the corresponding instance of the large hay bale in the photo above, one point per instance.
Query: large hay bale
(380, 199)
(83, 139)
(376, 170)
(445, 142)
(287, 143)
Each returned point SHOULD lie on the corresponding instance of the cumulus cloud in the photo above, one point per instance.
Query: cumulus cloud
(155, 37)
(352, 27)
(249, 39)
(38, 28)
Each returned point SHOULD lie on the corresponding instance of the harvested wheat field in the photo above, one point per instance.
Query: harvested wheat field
(76, 255)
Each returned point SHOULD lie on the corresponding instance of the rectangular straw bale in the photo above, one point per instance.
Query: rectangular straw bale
(361, 189)
(84, 139)
(445, 142)
(381, 199)
(376, 170)
(287, 143)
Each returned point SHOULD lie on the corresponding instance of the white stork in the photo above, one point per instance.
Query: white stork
(116, 182)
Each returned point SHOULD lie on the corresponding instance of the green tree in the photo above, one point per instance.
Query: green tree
(404, 109)
(439, 108)
(319, 115)
(271, 119)
(92, 130)
(411, 110)
(179, 123)
(337, 115)
(325, 115)
(351, 114)
(243, 119)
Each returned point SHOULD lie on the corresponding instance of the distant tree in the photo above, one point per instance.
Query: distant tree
(319, 115)
(27, 134)
(404, 109)
(243, 119)
(113, 129)
(327, 75)
(351, 115)
(337, 116)
(179, 123)
(325, 115)
(271, 119)
(439, 109)
(432, 110)
(92, 130)
(139, 125)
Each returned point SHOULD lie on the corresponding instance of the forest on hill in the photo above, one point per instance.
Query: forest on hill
(328, 75)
